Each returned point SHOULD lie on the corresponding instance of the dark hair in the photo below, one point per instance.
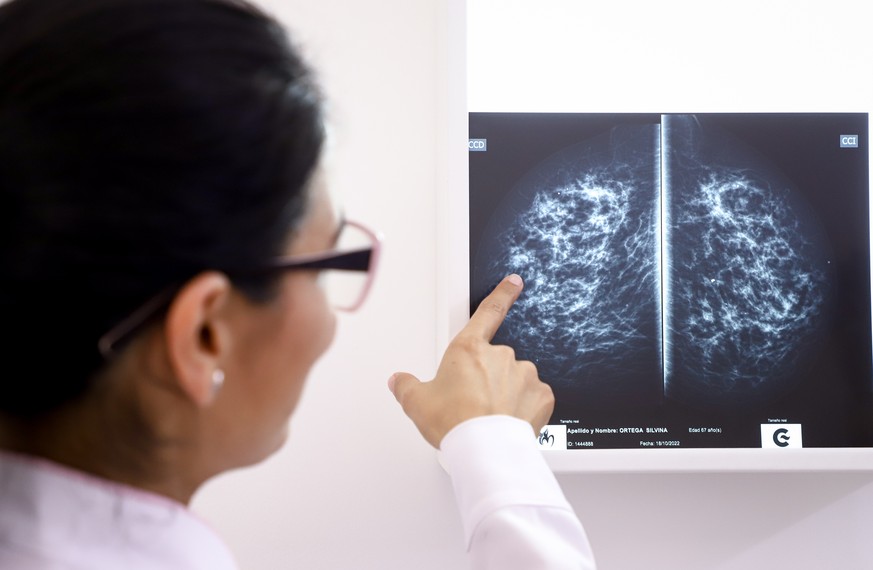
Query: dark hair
(141, 142)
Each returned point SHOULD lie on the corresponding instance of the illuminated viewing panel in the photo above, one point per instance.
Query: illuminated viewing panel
(692, 280)
(689, 206)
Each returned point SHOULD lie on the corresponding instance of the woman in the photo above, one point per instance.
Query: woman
(167, 234)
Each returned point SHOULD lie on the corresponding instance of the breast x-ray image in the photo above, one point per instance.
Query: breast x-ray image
(683, 271)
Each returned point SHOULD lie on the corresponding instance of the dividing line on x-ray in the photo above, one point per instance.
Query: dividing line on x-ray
(663, 249)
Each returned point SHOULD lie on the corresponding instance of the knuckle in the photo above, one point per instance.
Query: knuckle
(549, 400)
(548, 393)
(494, 306)
(466, 344)
(529, 369)
(506, 352)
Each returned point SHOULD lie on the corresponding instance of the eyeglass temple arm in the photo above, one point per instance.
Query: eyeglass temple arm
(358, 260)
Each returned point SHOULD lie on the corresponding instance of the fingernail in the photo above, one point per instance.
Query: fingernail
(391, 382)
(515, 279)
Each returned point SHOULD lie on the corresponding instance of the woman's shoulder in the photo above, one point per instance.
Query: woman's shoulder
(54, 517)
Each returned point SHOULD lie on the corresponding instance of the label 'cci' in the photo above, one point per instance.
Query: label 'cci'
(848, 141)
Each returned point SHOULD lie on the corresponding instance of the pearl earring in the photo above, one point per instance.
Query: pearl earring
(217, 380)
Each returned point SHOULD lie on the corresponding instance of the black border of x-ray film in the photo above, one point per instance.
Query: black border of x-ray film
(832, 396)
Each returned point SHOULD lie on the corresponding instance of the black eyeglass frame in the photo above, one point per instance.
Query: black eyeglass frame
(360, 260)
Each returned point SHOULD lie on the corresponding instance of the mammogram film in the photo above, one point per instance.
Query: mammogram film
(684, 269)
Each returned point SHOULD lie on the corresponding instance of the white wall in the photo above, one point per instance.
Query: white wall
(356, 487)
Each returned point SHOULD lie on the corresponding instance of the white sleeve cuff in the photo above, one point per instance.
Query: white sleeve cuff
(494, 462)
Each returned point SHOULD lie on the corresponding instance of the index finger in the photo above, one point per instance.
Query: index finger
(492, 310)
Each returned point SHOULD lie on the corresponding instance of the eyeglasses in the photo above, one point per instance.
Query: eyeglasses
(346, 276)
(347, 271)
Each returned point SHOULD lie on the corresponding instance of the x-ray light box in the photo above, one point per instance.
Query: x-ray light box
(690, 210)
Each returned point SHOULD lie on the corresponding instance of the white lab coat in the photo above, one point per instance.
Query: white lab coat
(55, 518)
(514, 514)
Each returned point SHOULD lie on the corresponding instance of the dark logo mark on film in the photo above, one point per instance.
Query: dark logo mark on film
(545, 437)
(781, 437)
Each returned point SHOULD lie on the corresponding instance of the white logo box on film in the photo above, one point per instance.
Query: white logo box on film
(553, 437)
(781, 436)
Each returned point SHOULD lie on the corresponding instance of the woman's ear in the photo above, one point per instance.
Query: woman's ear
(197, 333)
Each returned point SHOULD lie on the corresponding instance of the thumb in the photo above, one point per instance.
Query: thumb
(401, 384)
